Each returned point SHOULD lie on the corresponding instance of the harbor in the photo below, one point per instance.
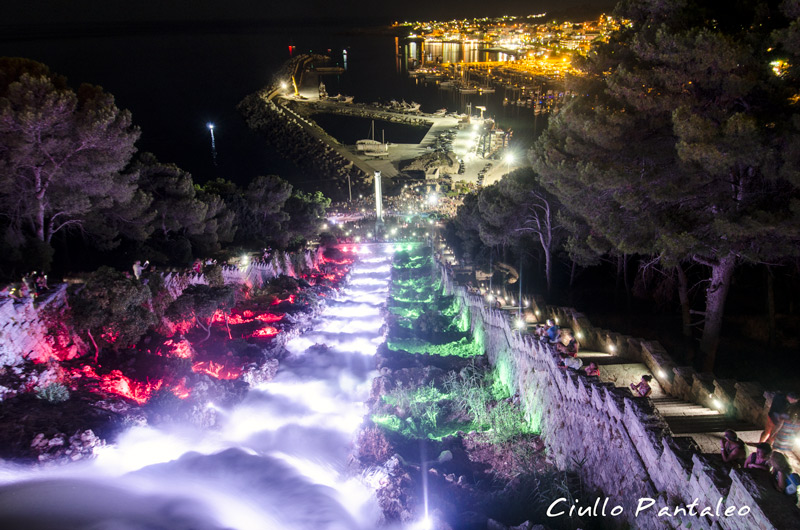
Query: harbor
(470, 142)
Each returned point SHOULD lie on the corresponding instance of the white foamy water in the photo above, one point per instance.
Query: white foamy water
(279, 461)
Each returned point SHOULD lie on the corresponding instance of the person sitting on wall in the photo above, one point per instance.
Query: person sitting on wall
(570, 362)
(732, 449)
(568, 346)
(552, 334)
(760, 458)
(592, 370)
(782, 477)
(642, 388)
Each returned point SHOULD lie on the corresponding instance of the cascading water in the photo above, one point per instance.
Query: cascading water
(279, 460)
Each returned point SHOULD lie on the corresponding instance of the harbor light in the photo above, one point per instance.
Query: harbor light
(210, 126)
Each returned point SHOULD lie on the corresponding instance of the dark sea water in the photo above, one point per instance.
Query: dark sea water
(175, 83)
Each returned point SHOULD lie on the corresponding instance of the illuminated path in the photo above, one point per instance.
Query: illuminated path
(279, 460)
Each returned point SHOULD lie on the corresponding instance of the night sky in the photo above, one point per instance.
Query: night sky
(60, 12)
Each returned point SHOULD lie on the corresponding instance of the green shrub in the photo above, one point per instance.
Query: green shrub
(53, 393)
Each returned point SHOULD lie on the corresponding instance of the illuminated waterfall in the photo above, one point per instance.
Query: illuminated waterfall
(279, 460)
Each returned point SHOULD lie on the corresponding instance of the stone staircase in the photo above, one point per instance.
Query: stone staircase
(704, 425)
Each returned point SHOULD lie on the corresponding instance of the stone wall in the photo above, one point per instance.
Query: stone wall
(620, 445)
(24, 334)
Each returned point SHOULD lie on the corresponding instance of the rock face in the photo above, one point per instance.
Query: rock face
(60, 449)
(446, 162)
(255, 374)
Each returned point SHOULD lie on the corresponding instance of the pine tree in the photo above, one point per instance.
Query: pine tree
(686, 143)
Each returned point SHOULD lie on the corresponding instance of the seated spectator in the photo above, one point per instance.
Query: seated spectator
(732, 449)
(571, 362)
(642, 388)
(592, 370)
(782, 477)
(552, 334)
(568, 346)
(777, 411)
(759, 459)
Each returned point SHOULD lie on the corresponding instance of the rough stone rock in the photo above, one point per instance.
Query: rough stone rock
(82, 445)
(373, 446)
(445, 456)
(381, 386)
(255, 374)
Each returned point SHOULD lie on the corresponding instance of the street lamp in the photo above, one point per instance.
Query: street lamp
(213, 144)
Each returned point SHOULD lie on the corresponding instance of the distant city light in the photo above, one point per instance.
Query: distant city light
(210, 126)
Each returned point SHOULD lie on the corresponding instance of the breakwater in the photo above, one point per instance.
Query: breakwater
(301, 141)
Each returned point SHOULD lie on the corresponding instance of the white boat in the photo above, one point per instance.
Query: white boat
(441, 113)
(372, 147)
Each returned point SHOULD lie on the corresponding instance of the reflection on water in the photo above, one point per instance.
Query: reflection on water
(279, 461)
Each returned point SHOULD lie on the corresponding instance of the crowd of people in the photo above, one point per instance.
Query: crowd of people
(30, 287)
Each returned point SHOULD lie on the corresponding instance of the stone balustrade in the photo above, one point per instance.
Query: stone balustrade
(620, 445)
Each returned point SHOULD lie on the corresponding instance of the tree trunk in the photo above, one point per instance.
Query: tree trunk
(547, 268)
(717, 292)
(771, 307)
(40, 220)
(207, 329)
(683, 296)
(96, 348)
(227, 325)
(627, 283)
(572, 273)
(686, 315)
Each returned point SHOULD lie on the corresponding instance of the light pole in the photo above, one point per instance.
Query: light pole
(213, 144)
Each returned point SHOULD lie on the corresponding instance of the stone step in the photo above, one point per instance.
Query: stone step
(601, 359)
(705, 424)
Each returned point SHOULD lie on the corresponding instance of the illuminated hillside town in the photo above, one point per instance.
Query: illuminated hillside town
(266, 271)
